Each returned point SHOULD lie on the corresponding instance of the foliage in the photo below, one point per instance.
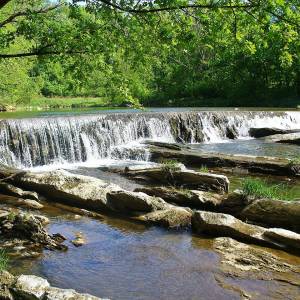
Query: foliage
(3, 260)
(258, 188)
(204, 169)
(170, 165)
(212, 56)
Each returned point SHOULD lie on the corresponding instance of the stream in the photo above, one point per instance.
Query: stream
(125, 259)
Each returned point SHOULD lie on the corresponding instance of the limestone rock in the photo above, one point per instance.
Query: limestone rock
(171, 217)
(11, 190)
(274, 213)
(292, 138)
(66, 294)
(266, 131)
(125, 201)
(223, 225)
(190, 198)
(83, 191)
(30, 287)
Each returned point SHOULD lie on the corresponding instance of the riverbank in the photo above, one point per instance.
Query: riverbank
(46, 103)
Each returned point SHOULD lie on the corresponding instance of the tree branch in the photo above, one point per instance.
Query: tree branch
(44, 10)
(37, 53)
(3, 3)
(191, 6)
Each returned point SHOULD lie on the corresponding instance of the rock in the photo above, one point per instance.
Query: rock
(254, 164)
(239, 258)
(61, 294)
(31, 204)
(190, 198)
(18, 225)
(185, 179)
(292, 138)
(171, 146)
(125, 201)
(263, 132)
(30, 287)
(18, 202)
(74, 190)
(10, 190)
(275, 213)
(223, 225)
(234, 202)
(283, 236)
(171, 217)
(79, 240)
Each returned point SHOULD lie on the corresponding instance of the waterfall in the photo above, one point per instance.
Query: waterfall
(27, 143)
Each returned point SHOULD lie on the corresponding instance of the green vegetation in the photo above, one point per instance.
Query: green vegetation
(3, 260)
(170, 165)
(204, 169)
(157, 53)
(295, 161)
(258, 188)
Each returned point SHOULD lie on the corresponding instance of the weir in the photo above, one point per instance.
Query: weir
(26, 143)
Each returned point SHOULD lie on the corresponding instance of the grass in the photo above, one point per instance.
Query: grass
(3, 260)
(67, 102)
(170, 165)
(295, 161)
(258, 188)
(204, 169)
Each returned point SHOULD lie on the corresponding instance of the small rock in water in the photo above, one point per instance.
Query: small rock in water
(79, 240)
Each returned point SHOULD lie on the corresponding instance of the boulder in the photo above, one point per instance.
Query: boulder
(267, 131)
(172, 217)
(190, 198)
(9, 189)
(285, 237)
(24, 226)
(292, 138)
(173, 146)
(234, 202)
(30, 287)
(62, 186)
(275, 213)
(129, 202)
(185, 178)
(19, 202)
(223, 225)
(66, 294)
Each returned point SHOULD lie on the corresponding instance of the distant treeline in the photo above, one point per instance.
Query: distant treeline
(236, 53)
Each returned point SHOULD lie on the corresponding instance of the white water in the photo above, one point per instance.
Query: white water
(50, 143)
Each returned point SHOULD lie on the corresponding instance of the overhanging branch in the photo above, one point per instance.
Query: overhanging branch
(170, 8)
(44, 10)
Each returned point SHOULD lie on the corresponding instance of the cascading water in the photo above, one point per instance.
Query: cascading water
(26, 143)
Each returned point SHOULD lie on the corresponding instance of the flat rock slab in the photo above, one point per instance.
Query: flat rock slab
(255, 164)
(172, 217)
(62, 186)
(185, 179)
(275, 213)
(30, 287)
(267, 131)
(249, 262)
(126, 201)
(223, 225)
(190, 198)
(292, 138)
